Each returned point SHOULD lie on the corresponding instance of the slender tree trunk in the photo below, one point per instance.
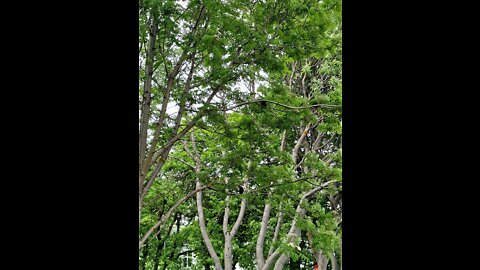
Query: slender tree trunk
(147, 88)
(227, 252)
(203, 230)
(144, 257)
(260, 260)
(295, 231)
(322, 261)
(229, 235)
(145, 109)
(146, 160)
(201, 218)
(168, 214)
(171, 256)
(277, 231)
(161, 243)
(168, 88)
(296, 149)
(162, 154)
(281, 262)
(271, 259)
(166, 98)
(156, 261)
(293, 234)
(321, 258)
(333, 260)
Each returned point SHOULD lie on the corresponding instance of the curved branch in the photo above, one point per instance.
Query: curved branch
(169, 213)
(271, 259)
(235, 227)
(299, 143)
(203, 230)
(260, 259)
(275, 234)
(295, 231)
(281, 105)
(183, 161)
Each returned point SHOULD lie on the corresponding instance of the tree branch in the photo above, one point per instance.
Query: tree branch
(271, 259)
(260, 259)
(184, 162)
(277, 230)
(146, 100)
(295, 231)
(239, 220)
(299, 143)
(279, 104)
(169, 213)
(203, 230)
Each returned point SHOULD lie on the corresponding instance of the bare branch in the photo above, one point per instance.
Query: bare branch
(146, 99)
(283, 143)
(295, 231)
(260, 259)
(271, 259)
(282, 105)
(235, 227)
(203, 230)
(184, 162)
(185, 147)
(226, 215)
(299, 143)
(166, 96)
(169, 213)
(277, 230)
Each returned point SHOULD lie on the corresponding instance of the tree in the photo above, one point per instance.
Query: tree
(202, 136)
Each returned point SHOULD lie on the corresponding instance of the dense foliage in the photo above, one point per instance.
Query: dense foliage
(240, 134)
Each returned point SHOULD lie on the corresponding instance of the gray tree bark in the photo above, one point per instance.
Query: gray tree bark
(260, 259)
(295, 231)
(201, 218)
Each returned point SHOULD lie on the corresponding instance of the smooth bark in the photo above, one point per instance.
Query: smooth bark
(203, 230)
(198, 189)
(260, 259)
(295, 231)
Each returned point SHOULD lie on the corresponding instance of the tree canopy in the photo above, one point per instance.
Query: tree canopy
(240, 134)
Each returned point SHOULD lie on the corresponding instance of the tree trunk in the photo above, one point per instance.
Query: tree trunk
(333, 260)
(227, 252)
(174, 247)
(203, 230)
(144, 257)
(145, 110)
(229, 235)
(271, 259)
(168, 214)
(281, 262)
(161, 243)
(277, 231)
(260, 260)
(322, 261)
(201, 218)
(295, 231)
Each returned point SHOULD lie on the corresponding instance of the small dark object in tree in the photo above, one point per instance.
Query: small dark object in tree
(240, 190)
(263, 103)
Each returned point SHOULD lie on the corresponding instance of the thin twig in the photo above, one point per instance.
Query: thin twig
(183, 161)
